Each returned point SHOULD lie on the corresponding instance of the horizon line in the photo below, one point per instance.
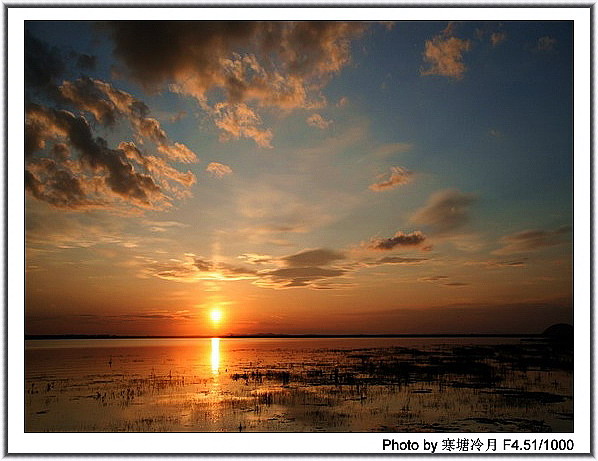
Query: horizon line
(283, 336)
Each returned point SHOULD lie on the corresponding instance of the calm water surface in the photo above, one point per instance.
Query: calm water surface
(298, 385)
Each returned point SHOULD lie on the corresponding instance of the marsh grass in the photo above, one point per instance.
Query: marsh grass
(521, 387)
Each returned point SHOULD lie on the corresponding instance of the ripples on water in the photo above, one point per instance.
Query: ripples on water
(298, 385)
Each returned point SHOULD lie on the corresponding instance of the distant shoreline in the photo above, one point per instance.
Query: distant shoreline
(283, 336)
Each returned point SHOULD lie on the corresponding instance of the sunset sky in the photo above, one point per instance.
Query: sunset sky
(276, 177)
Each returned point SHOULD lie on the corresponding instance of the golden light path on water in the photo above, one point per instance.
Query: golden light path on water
(215, 356)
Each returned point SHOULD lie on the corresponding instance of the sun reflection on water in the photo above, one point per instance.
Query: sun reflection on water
(215, 357)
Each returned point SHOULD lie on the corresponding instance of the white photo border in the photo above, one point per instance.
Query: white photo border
(20, 442)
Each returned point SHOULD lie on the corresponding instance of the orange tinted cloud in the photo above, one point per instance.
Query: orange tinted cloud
(400, 239)
(218, 169)
(282, 65)
(398, 176)
(82, 172)
(318, 121)
(444, 55)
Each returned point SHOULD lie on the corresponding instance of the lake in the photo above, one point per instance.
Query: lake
(299, 385)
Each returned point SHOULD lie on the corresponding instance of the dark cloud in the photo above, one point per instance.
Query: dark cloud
(203, 265)
(302, 270)
(117, 175)
(69, 167)
(445, 211)
(317, 257)
(532, 240)
(399, 260)
(86, 61)
(107, 104)
(297, 276)
(44, 65)
(275, 64)
(399, 239)
(434, 278)
(442, 280)
(59, 187)
(498, 264)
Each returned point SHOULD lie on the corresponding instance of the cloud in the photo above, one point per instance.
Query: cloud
(192, 269)
(499, 264)
(546, 44)
(218, 169)
(386, 150)
(240, 121)
(68, 166)
(64, 230)
(434, 278)
(86, 61)
(297, 276)
(253, 258)
(400, 239)
(308, 268)
(98, 177)
(445, 211)
(178, 153)
(497, 37)
(318, 121)
(399, 176)
(444, 54)
(280, 65)
(43, 65)
(532, 240)
(397, 260)
(442, 280)
(164, 226)
(107, 104)
(317, 257)
(177, 117)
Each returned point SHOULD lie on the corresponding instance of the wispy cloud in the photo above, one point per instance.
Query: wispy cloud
(445, 211)
(497, 37)
(218, 169)
(318, 121)
(399, 176)
(191, 269)
(307, 268)
(386, 150)
(317, 257)
(532, 240)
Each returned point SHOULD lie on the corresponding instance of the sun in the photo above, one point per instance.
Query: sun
(215, 316)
